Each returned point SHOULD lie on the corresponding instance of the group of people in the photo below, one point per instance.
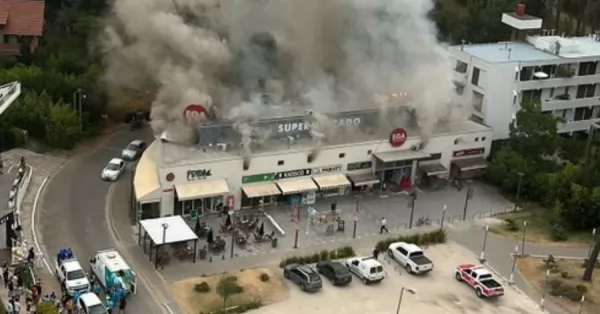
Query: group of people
(14, 283)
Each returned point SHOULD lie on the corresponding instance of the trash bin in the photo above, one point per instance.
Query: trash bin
(202, 253)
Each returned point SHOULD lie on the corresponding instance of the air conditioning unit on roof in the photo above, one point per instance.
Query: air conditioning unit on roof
(222, 147)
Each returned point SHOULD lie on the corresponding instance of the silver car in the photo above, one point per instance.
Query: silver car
(113, 170)
(303, 276)
(133, 150)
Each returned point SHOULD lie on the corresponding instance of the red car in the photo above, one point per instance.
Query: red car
(480, 279)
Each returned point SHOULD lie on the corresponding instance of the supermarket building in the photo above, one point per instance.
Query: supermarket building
(286, 168)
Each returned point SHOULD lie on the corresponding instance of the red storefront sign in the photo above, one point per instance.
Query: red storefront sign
(469, 152)
(192, 113)
(398, 137)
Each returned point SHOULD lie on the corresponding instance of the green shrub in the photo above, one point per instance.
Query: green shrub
(345, 252)
(433, 237)
(202, 287)
(554, 283)
(242, 308)
(572, 294)
(558, 233)
(231, 278)
(324, 255)
(341, 252)
(565, 275)
(264, 277)
(315, 258)
(581, 288)
(510, 225)
(46, 308)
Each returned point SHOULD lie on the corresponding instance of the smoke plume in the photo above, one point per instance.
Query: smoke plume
(242, 57)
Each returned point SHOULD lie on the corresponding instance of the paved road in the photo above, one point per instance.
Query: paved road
(72, 211)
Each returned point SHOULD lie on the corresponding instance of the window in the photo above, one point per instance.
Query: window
(6, 39)
(76, 274)
(477, 139)
(531, 95)
(478, 101)
(549, 69)
(526, 73)
(483, 139)
(456, 141)
(588, 68)
(586, 91)
(342, 155)
(461, 67)
(459, 88)
(583, 114)
(475, 76)
(280, 163)
(402, 251)
(552, 92)
(369, 152)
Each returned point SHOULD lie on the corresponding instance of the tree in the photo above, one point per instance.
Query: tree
(62, 129)
(534, 133)
(505, 167)
(227, 287)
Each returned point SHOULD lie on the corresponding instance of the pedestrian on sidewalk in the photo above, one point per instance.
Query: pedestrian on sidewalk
(122, 305)
(5, 275)
(11, 289)
(376, 253)
(383, 226)
(31, 256)
(38, 287)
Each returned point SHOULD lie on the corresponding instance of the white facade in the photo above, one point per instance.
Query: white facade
(561, 73)
(227, 173)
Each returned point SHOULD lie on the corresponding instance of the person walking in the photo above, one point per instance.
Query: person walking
(383, 226)
(376, 253)
(5, 276)
(122, 305)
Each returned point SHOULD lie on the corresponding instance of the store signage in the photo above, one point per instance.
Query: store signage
(230, 202)
(398, 137)
(333, 168)
(468, 152)
(258, 178)
(200, 174)
(293, 174)
(303, 126)
(194, 112)
(360, 165)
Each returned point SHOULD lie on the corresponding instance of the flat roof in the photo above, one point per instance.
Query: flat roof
(499, 52)
(177, 230)
(570, 47)
(179, 155)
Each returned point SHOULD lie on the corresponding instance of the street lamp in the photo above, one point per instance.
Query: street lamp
(467, 198)
(356, 215)
(521, 174)
(413, 198)
(443, 217)
(545, 289)
(409, 290)
(78, 97)
(297, 228)
(485, 236)
(511, 279)
(165, 226)
(592, 243)
(523, 241)
(581, 304)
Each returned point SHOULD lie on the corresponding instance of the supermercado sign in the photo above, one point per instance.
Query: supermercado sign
(300, 126)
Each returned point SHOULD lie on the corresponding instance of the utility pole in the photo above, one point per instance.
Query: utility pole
(589, 268)
(413, 198)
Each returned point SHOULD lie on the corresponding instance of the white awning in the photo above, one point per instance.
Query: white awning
(201, 189)
(331, 181)
(362, 179)
(170, 229)
(400, 155)
(294, 186)
(261, 189)
(145, 181)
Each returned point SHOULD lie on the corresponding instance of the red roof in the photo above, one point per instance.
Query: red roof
(22, 17)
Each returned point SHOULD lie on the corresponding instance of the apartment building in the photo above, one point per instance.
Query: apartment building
(561, 73)
(21, 23)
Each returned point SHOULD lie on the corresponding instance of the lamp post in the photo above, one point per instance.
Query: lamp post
(581, 304)
(409, 290)
(165, 226)
(233, 233)
(545, 289)
(592, 243)
(443, 217)
(485, 236)
(356, 215)
(78, 97)
(521, 174)
(524, 236)
(297, 227)
(511, 279)
(413, 198)
(467, 198)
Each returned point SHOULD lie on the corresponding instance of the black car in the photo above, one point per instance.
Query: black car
(305, 277)
(337, 273)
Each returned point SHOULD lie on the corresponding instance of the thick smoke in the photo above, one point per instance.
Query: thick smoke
(242, 57)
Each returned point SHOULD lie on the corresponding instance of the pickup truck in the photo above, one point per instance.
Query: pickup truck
(480, 279)
(411, 257)
(368, 269)
(69, 273)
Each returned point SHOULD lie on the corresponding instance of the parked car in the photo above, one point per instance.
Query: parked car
(411, 257)
(113, 170)
(89, 303)
(133, 150)
(303, 276)
(335, 272)
(480, 279)
(368, 269)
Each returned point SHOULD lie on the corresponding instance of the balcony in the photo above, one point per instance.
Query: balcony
(8, 94)
(574, 126)
(560, 104)
(460, 78)
(559, 81)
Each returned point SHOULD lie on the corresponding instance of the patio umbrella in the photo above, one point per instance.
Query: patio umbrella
(261, 229)
(228, 221)
(197, 227)
(210, 237)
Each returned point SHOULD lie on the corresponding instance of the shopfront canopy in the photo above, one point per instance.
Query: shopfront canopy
(433, 169)
(401, 155)
(201, 189)
(296, 186)
(467, 164)
(166, 230)
(145, 181)
(362, 179)
(261, 189)
(331, 181)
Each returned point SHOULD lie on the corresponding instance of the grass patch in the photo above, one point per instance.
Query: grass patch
(565, 286)
(253, 289)
(539, 228)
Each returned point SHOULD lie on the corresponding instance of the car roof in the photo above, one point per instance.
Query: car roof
(370, 261)
(72, 265)
(115, 161)
(90, 299)
(305, 269)
(410, 247)
(136, 142)
(334, 264)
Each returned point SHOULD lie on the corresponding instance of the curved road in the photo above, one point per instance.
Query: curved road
(73, 213)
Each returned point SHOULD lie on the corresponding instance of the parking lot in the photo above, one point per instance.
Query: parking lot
(437, 292)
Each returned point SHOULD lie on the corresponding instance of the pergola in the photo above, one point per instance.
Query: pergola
(165, 230)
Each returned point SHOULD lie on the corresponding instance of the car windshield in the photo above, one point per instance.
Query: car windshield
(112, 166)
(97, 309)
(76, 274)
(341, 271)
(416, 254)
(314, 277)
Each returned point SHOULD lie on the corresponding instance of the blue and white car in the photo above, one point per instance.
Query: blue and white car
(113, 170)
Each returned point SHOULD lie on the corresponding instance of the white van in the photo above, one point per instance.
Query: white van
(110, 268)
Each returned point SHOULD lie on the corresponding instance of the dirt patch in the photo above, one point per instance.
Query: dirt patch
(194, 302)
(568, 273)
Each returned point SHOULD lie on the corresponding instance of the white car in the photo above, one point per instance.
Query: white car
(368, 269)
(411, 257)
(134, 150)
(89, 303)
(113, 170)
(72, 276)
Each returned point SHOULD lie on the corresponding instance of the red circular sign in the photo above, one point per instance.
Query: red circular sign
(170, 177)
(194, 112)
(398, 137)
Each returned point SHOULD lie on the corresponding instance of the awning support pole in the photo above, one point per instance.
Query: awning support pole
(195, 250)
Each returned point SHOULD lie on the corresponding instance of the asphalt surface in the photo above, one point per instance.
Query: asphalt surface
(73, 212)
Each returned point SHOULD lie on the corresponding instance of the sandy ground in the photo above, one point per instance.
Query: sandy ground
(193, 302)
(437, 292)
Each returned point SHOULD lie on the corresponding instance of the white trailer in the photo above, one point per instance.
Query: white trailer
(111, 269)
